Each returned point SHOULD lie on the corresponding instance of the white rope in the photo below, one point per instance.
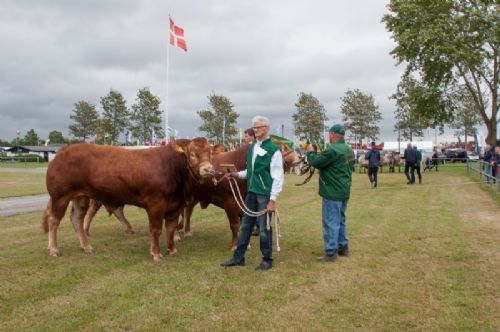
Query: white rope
(246, 210)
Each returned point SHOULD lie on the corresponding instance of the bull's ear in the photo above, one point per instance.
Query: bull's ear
(177, 147)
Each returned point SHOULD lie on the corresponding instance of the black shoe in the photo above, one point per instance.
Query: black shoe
(264, 265)
(232, 262)
(344, 251)
(409, 182)
(327, 258)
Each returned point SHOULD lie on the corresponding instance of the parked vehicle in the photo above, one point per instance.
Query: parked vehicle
(456, 155)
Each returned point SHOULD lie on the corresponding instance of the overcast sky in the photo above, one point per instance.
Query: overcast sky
(259, 54)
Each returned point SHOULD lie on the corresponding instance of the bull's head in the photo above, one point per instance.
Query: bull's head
(199, 156)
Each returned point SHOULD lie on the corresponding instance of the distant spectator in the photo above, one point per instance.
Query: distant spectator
(488, 158)
(410, 158)
(373, 157)
(497, 163)
(418, 163)
(435, 159)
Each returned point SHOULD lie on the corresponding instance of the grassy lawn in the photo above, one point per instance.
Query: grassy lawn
(21, 184)
(23, 165)
(423, 258)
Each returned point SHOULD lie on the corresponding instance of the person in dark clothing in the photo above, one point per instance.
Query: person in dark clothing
(410, 158)
(496, 166)
(373, 157)
(488, 157)
(435, 159)
(418, 162)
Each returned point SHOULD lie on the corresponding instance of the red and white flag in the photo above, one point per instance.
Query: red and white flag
(177, 36)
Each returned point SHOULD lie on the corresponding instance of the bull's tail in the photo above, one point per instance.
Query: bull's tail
(46, 216)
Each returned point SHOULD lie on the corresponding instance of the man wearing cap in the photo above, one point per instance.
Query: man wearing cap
(373, 157)
(264, 175)
(410, 157)
(335, 165)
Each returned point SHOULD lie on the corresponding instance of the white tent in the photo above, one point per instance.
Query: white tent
(421, 145)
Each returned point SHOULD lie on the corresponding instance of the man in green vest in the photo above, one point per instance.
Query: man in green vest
(335, 165)
(264, 175)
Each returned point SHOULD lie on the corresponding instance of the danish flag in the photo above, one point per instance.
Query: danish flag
(177, 36)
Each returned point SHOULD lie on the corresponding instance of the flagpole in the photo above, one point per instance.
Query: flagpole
(166, 97)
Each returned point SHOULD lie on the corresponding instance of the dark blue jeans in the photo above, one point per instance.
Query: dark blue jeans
(255, 203)
(334, 230)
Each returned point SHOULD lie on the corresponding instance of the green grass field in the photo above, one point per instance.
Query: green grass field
(23, 165)
(423, 258)
(21, 184)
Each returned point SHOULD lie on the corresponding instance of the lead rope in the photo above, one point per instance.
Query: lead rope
(246, 210)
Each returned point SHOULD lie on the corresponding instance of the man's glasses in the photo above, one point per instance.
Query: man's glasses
(258, 127)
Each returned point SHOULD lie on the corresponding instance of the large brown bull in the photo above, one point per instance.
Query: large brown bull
(158, 179)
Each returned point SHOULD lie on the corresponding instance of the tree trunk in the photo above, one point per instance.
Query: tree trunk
(491, 125)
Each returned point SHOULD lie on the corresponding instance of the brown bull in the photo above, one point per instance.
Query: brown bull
(157, 179)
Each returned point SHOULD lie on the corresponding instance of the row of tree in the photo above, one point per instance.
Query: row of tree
(142, 120)
(31, 138)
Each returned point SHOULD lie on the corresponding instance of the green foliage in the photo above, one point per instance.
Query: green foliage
(115, 116)
(145, 116)
(450, 43)
(219, 118)
(309, 117)
(56, 137)
(466, 116)
(31, 138)
(5, 143)
(418, 108)
(360, 114)
(85, 117)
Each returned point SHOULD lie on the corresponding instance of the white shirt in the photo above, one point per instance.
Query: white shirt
(276, 168)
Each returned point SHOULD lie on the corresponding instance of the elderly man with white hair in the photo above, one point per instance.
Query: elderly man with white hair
(264, 175)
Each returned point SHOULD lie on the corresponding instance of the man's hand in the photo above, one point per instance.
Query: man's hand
(311, 148)
(271, 206)
(230, 175)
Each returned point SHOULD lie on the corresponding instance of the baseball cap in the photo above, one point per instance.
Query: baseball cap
(337, 129)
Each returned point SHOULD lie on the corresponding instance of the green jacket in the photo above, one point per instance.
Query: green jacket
(335, 164)
(259, 178)
(418, 153)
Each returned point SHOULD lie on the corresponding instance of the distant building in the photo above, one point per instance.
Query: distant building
(46, 152)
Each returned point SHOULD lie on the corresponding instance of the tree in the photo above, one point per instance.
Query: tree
(360, 114)
(31, 138)
(146, 116)
(466, 117)
(309, 117)
(5, 143)
(85, 117)
(115, 116)
(56, 137)
(451, 43)
(219, 118)
(410, 120)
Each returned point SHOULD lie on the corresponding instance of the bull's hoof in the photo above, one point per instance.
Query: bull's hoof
(89, 250)
(54, 253)
(158, 258)
(188, 234)
(177, 238)
(172, 252)
(129, 231)
(233, 248)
